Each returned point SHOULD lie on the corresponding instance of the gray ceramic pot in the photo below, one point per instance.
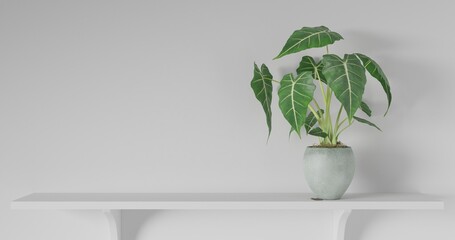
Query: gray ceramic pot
(328, 171)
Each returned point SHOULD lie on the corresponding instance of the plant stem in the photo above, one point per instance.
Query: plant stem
(338, 118)
(328, 120)
(273, 80)
(317, 105)
(350, 123)
(328, 124)
(314, 112)
(341, 123)
(320, 85)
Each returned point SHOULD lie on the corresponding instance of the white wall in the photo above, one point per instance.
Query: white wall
(154, 96)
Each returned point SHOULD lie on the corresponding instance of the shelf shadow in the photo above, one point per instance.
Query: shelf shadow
(134, 220)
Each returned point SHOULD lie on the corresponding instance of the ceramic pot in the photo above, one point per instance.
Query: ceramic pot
(328, 171)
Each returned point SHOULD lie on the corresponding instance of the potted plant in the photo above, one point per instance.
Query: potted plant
(329, 166)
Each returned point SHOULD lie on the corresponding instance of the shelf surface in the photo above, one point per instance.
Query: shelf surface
(223, 201)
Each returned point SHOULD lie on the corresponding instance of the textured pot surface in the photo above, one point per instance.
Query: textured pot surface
(328, 171)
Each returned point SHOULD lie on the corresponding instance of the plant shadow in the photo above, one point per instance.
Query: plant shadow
(384, 165)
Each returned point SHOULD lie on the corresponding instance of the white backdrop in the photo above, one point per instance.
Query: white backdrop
(154, 96)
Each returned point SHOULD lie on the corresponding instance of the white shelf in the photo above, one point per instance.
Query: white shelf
(125, 201)
(112, 204)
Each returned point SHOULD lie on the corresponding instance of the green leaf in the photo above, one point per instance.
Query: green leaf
(309, 65)
(262, 88)
(346, 77)
(361, 120)
(294, 96)
(318, 132)
(309, 37)
(375, 71)
(311, 120)
(365, 109)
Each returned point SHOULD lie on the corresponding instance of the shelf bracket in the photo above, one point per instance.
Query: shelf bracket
(114, 220)
(340, 218)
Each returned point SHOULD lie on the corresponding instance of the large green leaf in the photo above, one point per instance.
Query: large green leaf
(311, 120)
(262, 88)
(309, 37)
(361, 120)
(346, 77)
(375, 70)
(295, 93)
(365, 108)
(308, 64)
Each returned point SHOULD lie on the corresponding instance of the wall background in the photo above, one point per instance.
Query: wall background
(154, 96)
